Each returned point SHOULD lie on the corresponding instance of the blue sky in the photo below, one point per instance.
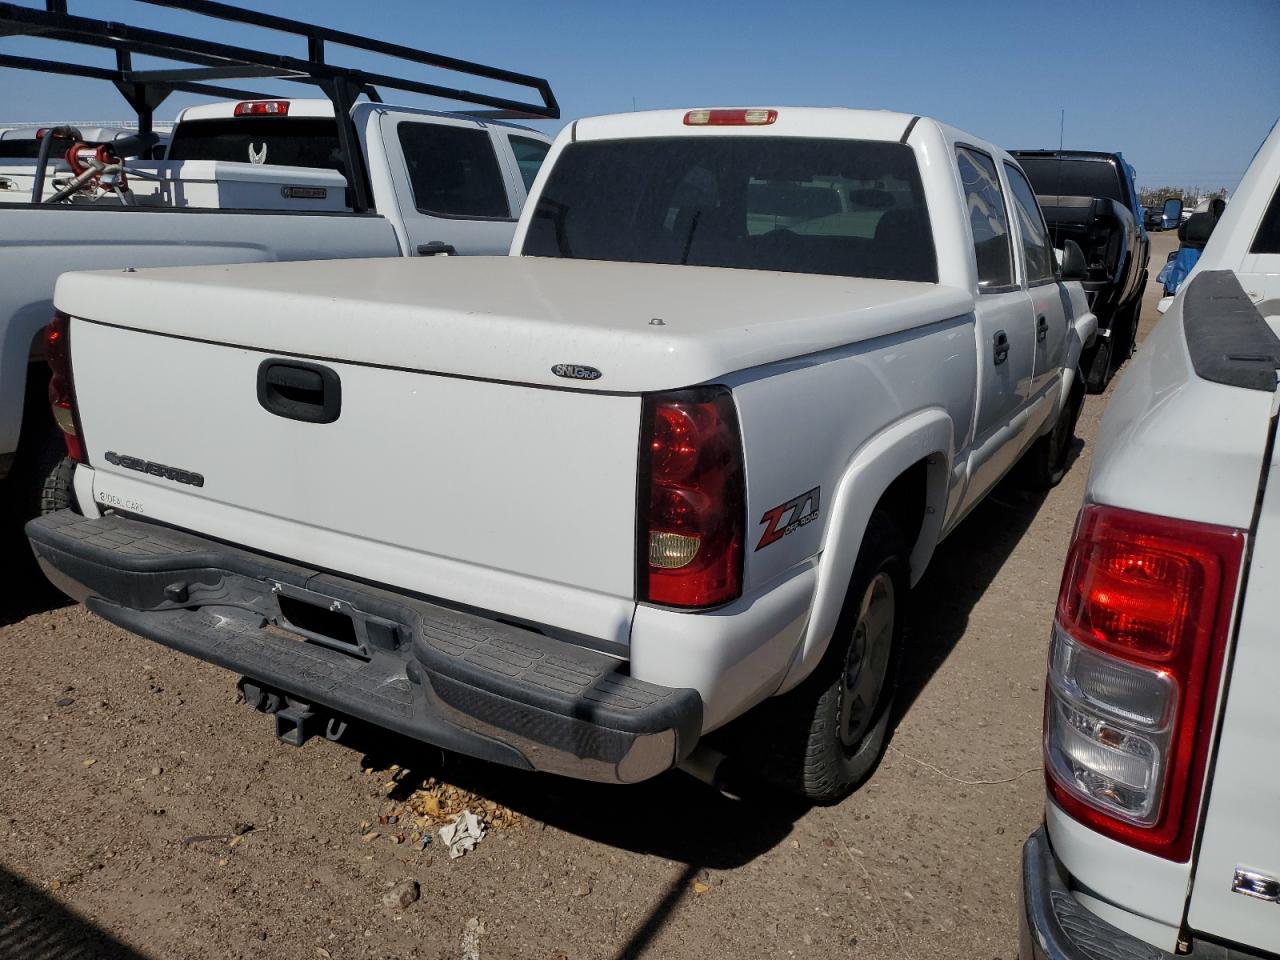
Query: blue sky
(1186, 89)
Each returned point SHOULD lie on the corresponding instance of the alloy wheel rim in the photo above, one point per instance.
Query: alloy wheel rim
(866, 662)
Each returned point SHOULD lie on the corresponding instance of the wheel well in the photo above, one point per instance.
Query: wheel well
(906, 500)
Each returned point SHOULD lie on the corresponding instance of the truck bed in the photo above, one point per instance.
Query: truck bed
(515, 318)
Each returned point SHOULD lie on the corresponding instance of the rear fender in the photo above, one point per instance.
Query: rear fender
(927, 435)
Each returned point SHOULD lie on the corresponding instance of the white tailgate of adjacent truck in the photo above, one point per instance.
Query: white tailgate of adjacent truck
(518, 500)
(1242, 824)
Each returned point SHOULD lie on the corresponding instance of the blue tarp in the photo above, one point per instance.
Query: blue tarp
(1176, 270)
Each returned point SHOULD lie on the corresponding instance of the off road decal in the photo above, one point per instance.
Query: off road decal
(789, 517)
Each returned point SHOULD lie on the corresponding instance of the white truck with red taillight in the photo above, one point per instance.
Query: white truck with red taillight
(1161, 836)
(680, 457)
(241, 180)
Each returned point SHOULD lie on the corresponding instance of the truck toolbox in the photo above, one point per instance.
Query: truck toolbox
(451, 678)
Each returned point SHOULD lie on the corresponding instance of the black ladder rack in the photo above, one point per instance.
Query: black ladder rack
(211, 61)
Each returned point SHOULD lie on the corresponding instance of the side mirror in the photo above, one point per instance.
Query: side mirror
(1073, 266)
(1172, 212)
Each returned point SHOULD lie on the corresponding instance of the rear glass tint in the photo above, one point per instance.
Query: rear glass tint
(286, 141)
(798, 205)
(454, 171)
(26, 149)
(529, 154)
(1267, 239)
(1073, 178)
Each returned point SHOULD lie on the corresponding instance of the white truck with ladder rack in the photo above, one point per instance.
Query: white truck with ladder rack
(257, 178)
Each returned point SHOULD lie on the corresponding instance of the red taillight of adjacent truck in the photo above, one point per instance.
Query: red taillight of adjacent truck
(1135, 663)
(62, 389)
(691, 505)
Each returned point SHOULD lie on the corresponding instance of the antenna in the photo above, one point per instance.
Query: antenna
(1057, 189)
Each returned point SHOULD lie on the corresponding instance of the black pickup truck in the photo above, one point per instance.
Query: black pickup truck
(1091, 198)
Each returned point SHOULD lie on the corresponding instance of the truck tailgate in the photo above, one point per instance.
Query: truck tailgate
(1236, 887)
(514, 499)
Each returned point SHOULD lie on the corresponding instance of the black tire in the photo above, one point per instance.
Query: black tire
(1096, 363)
(1045, 464)
(822, 739)
(45, 478)
(1125, 336)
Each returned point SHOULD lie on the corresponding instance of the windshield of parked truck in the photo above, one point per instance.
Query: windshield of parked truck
(800, 205)
(285, 141)
(1070, 177)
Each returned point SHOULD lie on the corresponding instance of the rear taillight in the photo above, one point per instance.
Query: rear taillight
(691, 500)
(62, 389)
(262, 108)
(1134, 668)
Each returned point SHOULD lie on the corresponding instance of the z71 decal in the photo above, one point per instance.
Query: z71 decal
(789, 517)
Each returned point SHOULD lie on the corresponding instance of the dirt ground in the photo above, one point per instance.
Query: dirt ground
(145, 814)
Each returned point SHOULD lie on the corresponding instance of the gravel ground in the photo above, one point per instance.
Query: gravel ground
(144, 814)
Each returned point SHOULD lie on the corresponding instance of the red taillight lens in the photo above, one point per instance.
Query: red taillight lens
(1136, 661)
(62, 389)
(691, 500)
(754, 117)
(262, 108)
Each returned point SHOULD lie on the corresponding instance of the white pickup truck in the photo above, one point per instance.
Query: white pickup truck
(439, 183)
(684, 452)
(1161, 836)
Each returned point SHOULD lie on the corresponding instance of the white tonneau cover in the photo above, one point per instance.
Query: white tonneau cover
(644, 326)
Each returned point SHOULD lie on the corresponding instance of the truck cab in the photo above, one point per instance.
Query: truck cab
(450, 179)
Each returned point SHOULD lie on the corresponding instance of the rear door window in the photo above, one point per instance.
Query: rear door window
(1037, 250)
(453, 171)
(1074, 177)
(529, 155)
(987, 218)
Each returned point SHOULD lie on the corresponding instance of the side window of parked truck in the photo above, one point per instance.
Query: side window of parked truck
(1037, 250)
(453, 170)
(987, 218)
(529, 155)
(1267, 239)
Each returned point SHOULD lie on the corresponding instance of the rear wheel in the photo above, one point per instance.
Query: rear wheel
(46, 478)
(1045, 464)
(826, 736)
(1127, 334)
(1096, 363)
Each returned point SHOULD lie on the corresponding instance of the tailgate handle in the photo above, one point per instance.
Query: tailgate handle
(299, 391)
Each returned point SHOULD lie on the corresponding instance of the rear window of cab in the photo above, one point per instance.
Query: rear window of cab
(849, 208)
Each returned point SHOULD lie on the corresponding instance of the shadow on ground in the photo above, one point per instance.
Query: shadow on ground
(681, 819)
(961, 571)
(34, 926)
(23, 588)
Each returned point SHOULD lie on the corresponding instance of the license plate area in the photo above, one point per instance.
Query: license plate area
(331, 622)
